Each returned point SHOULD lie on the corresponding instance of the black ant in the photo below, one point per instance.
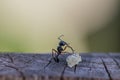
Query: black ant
(59, 51)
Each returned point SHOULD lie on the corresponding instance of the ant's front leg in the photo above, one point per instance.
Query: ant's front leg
(68, 47)
(71, 48)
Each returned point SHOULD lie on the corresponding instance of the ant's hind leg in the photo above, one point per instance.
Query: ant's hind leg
(53, 50)
(48, 63)
(55, 57)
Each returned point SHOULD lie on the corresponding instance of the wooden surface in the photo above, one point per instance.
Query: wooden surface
(19, 66)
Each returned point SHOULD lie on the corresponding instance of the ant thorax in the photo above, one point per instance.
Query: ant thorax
(59, 49)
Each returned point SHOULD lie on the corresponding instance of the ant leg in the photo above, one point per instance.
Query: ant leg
(63, 71)
(75, 68)
(53, 50)
(68, 47)
(48, 63)
(64, 50)
(56, 55)
(71, 48)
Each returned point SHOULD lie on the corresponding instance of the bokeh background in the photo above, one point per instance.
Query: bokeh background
(35, 25)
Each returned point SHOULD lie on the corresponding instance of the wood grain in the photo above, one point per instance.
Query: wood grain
(21, 66)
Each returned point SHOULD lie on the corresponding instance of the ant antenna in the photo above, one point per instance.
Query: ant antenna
(60, 37)
(62, 40)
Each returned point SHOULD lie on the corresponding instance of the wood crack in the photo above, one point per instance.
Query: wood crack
(110, 78)
(18, 70)
(11, 58)
(14, 67)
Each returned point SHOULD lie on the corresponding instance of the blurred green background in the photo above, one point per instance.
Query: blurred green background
(34, 25)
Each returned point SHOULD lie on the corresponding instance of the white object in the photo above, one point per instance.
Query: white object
(73, 59)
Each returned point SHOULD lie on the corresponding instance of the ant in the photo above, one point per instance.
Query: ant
(60, 50)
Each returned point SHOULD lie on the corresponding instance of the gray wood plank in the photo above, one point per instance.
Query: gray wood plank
(112, 68)
(31, 67)
(116, 58)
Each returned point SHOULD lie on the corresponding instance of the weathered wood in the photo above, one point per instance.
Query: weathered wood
(19, 66)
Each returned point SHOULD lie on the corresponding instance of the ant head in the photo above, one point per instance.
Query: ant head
(62, 43)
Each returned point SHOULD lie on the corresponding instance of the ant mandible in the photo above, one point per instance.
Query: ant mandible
(60, 50)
